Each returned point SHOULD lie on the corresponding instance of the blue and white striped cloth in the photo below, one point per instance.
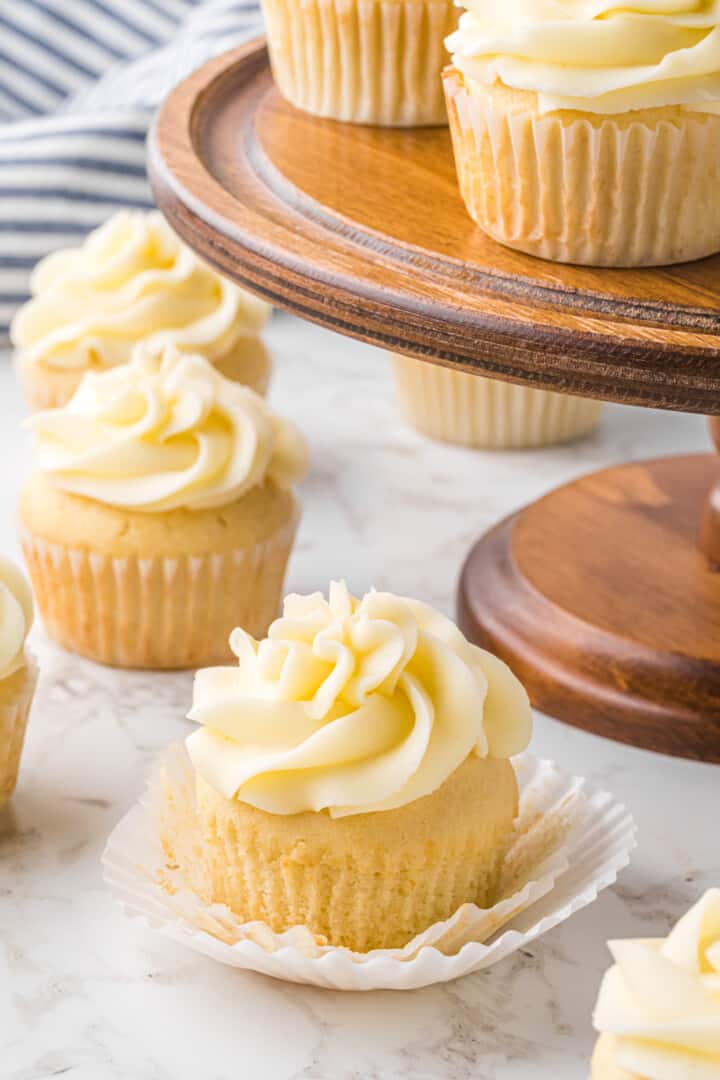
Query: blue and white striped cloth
(79, 80)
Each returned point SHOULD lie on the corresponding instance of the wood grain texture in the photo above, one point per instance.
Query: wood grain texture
(709, 536)
(363, 230)
(600, 600)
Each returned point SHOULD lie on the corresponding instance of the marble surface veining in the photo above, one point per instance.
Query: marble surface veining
(89, 995)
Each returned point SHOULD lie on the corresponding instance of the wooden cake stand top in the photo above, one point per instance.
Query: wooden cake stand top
(597, 595)
(363, 230)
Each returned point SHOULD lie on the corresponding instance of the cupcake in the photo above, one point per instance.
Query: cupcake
(160, 513)
(18, 674)
(362, 61)
(458, 407)
(659, 1007)
(590, 133)
(352, 772)
(132, 282)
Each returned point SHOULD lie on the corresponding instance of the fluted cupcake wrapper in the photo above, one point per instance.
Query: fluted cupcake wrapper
(594, 190)
(570, 842)
(157, 612)
(457, 407)
(15, 704)
(366, 62)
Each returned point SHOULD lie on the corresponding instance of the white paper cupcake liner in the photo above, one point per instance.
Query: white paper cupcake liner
(157, 612)
(15, 708)
(471, 410)
(570, 843)
(594, 190)
(362, 61)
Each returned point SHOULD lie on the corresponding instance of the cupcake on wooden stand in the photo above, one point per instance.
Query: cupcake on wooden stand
(362, 61)
(132, 282)
(590, 133)
(160, 513)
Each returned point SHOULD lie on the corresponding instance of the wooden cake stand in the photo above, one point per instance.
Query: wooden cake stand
(603, 596)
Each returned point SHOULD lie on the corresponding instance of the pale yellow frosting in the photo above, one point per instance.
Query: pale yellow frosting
(661, 1000)
(132, 281)
(352, 706)
(595, 55)
(162, 432)
(16, 616)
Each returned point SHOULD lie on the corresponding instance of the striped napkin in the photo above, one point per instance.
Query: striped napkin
(79, 80)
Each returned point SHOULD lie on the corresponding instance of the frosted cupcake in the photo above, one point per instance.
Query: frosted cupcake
(363, 61)
(160, 513)
(659, 1006)
(589, 132)
(132, 282)
(18, 674)
(352, 772)
(470, 410)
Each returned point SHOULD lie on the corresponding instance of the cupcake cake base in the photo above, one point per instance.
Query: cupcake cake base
(368, 881)
(155, 591)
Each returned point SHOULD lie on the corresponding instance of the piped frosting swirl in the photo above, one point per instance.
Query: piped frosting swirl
(162, 432)
(132, 282)
(595, 55)
(352, 706)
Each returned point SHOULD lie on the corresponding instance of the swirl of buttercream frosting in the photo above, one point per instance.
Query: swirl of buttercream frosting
(660, 1002)
(352, 706)
(16, 616)
(595, 55)
(132, 282)
(162, 432)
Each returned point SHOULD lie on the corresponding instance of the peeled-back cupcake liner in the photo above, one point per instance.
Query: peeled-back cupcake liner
(570, 842)
(594, 190)
(364, 62)
(157, 612)
(15, 704)
(458, 407)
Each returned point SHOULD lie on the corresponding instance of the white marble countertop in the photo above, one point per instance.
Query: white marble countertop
(88, 995)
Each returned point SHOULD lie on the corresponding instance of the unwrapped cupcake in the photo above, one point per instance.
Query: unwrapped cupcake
(18, 673)
(362, 61)
(352, 772)
(589, 132)
(160, 513)
(132, 282)
(659, 1006)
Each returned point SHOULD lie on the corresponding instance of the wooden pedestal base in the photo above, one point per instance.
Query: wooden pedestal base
(602, 602)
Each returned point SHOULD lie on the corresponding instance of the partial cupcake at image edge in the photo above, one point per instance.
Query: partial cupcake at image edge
(18, 672)
(160, 513)
(658, 1011)
(589, 134)
(362, 61)
(471, 410)
(352, 772)
(132, 282)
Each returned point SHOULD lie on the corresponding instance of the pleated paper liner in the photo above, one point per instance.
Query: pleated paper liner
(570, 843)
(470, 410)
(157, 612)
(15, 703)
(362, 61)
(637, 190)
